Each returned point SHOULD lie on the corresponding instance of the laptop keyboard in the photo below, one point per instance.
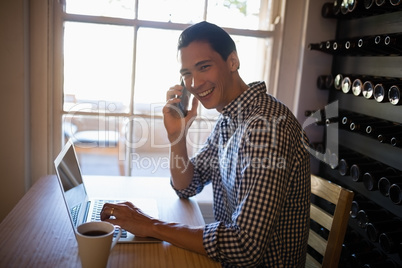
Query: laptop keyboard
(74, 213)
(98, 205)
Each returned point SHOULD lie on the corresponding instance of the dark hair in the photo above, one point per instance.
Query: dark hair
(219, 40)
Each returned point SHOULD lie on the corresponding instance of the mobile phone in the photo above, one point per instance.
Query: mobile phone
(185, 99)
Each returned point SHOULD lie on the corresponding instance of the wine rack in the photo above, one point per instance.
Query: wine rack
(375, 61)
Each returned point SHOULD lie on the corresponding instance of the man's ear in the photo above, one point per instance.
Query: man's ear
(233, 61)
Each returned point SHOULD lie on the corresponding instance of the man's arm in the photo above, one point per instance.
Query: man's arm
(135, 221)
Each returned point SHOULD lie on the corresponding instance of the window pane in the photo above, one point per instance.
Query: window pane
(149, 147)
(98, 142)
(97, 67)
(180, 11)
(106, 8)
(157, 68)
(241, 14)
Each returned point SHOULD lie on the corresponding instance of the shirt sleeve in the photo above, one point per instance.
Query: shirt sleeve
(203, 165)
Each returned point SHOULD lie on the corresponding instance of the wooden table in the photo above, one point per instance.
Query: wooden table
(38, 233)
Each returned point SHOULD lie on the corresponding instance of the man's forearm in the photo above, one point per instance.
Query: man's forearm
(190, 238)
(181, 168)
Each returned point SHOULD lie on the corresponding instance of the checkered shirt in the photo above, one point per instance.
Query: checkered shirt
(260, 173)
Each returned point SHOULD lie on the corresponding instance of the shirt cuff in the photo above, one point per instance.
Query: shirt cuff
(210, 240)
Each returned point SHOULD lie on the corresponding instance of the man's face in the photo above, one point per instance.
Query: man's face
(206, 75)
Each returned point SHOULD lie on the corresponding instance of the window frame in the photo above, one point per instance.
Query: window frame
(270, 74)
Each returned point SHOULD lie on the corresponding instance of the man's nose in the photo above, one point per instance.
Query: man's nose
(196, 81)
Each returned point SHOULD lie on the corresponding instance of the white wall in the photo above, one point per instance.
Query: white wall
(14, 99)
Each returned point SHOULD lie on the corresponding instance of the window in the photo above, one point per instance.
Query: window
(119, 58)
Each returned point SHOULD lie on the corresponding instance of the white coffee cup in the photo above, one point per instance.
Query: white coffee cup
(95, 241)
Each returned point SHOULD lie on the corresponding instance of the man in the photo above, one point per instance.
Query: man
(254, 158)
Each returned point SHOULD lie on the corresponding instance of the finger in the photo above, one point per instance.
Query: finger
(173, 92)
(108, 211)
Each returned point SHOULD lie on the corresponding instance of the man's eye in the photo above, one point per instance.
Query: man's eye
(204, 67)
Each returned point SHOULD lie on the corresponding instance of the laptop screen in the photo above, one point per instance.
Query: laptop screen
(69, 173)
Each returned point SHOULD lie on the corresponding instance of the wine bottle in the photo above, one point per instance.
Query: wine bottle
(386, 136)
(344, 7)
(360, 246)
(389, 241)
(328, 10)
(388, 263)
(357, 87)
(350, 46)
(366, 46)
(325, 81)
(338, 81)
(368, 87)
(375, 228)
(395, 193)
(370, 215)
(370, 179)
(396, 140)
(360, 259)
(386, 181)
(357, 170)
(358, 205)
(346, 84)
(393, 43)
(322, 46)
(345, 164)
(394, 95)
(374, 128)
(380, 92)
(395, 2)
(360, 124)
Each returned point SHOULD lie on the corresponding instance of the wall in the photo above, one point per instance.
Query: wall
(14, 99)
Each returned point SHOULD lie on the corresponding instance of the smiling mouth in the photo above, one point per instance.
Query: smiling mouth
(206, 92)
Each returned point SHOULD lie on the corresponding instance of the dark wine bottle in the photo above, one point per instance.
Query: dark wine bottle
(394, 95)
(357, 170)
(338, 81)
(360, 124)
(375, 228)
(385, 183)
(357, 87)
(388, 263)
(389, 241)
(360, 259)
(346, 84)
(374, 128)
(395, 2)
(328, 11)
(360, 246)
(366, 46)
(320, 47)
(371, 215)
(393, 43)
(358, 205)
(368, 87)
(345, 164)
(395, 193)
(396, 140)
(386, 136)
(325, 81)
(380, 93)
(381, 89)
(370, 179)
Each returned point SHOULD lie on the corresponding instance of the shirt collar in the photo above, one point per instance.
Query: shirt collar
(237, 106)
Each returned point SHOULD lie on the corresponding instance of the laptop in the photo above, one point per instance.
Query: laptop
(83, 209)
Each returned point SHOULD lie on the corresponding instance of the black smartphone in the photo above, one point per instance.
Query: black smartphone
(185, 99)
